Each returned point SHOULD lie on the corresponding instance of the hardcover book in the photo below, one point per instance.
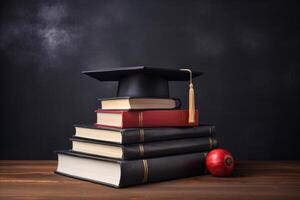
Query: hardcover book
(148, 118)
(141, 135)
(129, 103)
(120, 173)
(143, 150)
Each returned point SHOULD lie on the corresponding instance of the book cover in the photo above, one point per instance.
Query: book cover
(148, 118)
(139, 103)
(141, 135)
(119, 173)
(143, 150)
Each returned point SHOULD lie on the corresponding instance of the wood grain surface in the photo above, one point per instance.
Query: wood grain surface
(252, 180)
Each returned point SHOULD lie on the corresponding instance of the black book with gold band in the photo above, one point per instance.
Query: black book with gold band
(143, 150)
(122, 173)
(141, 135)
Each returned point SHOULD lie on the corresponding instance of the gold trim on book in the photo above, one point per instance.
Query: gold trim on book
(140, 119)
(210, 143)
(142, 151)
(142, 135)
(145, 163)
(214, 142)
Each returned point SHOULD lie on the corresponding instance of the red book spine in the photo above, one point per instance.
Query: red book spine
(152, 118)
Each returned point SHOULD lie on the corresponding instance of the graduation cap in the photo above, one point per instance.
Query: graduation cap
(147, 82)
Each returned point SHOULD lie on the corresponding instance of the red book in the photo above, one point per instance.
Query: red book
(147, 118)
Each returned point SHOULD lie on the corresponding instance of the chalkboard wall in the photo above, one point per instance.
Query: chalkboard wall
(248, 50)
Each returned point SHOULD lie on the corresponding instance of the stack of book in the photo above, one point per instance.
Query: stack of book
(136, 141)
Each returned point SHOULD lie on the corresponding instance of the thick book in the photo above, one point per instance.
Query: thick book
(120, 173)
(147, 118)
(130, 103)
(143, 150)
(141, 135)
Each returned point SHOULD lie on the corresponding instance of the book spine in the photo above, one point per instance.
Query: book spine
(159, 134)
(165, 148)
(162, 168)
(161, 118)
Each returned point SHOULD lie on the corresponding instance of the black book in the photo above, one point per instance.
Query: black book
(141, 135)
(119, 173)
(143, 150)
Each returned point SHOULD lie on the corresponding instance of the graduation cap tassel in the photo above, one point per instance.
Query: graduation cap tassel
(191, 97)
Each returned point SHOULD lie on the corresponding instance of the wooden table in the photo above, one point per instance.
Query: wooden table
(252, 180)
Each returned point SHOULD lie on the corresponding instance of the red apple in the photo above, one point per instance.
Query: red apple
(220, 162)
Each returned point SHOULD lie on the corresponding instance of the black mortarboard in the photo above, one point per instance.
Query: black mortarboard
(141, 81)
(146, 82)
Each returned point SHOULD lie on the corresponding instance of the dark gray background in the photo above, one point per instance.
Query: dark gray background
(249, 51)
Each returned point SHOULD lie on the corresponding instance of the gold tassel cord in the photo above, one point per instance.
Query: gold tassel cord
(191, 97)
